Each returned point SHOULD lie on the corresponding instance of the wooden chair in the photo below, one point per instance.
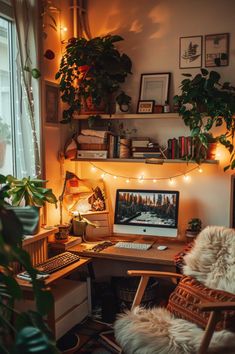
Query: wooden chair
(224, 241)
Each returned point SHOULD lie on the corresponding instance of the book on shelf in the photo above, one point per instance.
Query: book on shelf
(175, 149)
(145, 149)
(92, 154)
(146, 154)
(65, 245)
(93, 147)
(182, 146)
(140, 143)
(87, 139)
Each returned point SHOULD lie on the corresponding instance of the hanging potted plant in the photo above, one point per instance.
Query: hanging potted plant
(90, 73)
(206, 103)
(5, 138)
(25, 197)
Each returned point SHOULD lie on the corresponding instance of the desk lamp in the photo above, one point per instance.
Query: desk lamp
(68, 176)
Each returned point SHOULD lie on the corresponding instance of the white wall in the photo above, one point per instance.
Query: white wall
(151, 29)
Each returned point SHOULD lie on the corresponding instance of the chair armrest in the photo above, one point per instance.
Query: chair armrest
(145, 275)
(217, 306)
(153, 273)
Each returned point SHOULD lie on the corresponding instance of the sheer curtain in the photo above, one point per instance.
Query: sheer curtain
(27, 89)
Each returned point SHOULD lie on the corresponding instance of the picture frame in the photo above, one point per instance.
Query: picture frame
(145, 106)
(217, 49)
(52, 98)
(190, 52)
(155, 87)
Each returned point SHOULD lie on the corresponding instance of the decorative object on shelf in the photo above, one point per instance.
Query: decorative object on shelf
(190, 52)
(193, 229)
(52, 103)
(217, 49)
(207, 103)
(123, 102)
(166, 107)
(158, 108)
(90, 73)
(155, 87)
(70, 147)
(25, 198)
(145, 106)
(5, 138)
(79, 224)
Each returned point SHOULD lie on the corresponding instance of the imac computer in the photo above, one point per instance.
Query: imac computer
(146, 212)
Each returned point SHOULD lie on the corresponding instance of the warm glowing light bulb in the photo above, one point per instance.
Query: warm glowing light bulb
(64, 29)
(154, 180)
(200, 170)
(103, 175)
(141, 179)
(127, 180)
(115, 177)
(186, 178)
(171, 181)
(218, 155)
(93, 169)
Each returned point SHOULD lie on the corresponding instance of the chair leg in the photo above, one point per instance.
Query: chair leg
(210, 328)
(140, 291)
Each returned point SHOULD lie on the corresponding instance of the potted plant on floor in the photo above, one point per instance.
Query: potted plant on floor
(206, 103)
(25, 197)
(90, 73)
(193, 229)
(5, 138)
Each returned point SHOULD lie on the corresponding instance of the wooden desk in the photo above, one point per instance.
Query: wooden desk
(116, 261)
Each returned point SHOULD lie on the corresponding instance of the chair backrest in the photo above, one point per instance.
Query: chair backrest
(212, 258)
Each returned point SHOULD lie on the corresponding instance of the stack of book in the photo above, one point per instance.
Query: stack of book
(143, 148)
(93, 143)
(180, 148)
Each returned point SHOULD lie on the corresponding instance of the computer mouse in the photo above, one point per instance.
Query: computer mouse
(162, 248)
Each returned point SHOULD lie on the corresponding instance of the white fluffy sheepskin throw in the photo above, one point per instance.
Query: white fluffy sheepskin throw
(157, 331)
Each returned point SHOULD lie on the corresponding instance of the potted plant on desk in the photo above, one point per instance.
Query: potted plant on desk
(193, 229)
(25, 197)
(79, 224)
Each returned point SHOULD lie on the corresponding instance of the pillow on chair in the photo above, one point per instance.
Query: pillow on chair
(189, 294)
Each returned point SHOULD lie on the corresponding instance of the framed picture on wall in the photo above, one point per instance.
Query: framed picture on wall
(190, 52)
(217, 49)
(52, 97)
(155, 87)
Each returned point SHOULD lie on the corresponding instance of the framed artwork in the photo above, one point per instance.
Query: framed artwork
(155, 87)
(145, 106)
(217, 49)
(52, 97)
(190, 52)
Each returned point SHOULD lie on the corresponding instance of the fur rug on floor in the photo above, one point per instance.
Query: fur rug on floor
(156, 331)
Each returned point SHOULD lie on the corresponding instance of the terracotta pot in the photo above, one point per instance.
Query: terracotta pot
(63, 232)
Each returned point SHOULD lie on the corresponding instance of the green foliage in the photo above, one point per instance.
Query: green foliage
(5, 133)
(195, 224)
(28, 333)
(206, 103)
(91, 68)
(31, 191)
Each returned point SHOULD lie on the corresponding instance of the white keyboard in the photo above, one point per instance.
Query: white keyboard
(133, 246)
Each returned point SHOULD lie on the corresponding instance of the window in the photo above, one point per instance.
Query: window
(7, 165)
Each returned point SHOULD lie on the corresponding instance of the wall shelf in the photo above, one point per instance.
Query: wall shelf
(148, 161)
(130, 116)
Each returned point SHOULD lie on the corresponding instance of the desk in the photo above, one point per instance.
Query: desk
(124, 259)
(72, 298)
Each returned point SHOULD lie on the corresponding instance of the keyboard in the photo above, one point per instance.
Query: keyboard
(133, 245)
(58, 262)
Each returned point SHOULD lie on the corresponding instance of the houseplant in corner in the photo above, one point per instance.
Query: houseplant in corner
(90, 73)
(25, 197)
(205, 104)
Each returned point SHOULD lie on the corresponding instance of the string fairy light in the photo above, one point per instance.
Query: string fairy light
(142, 179)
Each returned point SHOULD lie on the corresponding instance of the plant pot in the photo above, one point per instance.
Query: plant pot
(211, 152)
(125, 148)
(63, 232)
(191, 235)
(79, 227)
(29, 217)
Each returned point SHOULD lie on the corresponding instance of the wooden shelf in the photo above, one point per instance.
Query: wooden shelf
(131, 116)
(148, 161)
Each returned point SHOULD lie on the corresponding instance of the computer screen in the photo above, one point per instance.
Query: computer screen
(146, 212)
